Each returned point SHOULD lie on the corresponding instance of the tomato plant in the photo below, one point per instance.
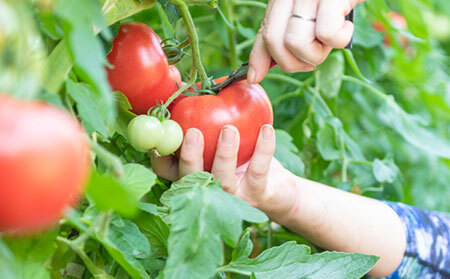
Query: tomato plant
(44, 161)
(373, 120)
(245, 106)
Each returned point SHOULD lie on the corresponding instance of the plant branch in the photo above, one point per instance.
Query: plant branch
(249, 3)
(181, 90)
(211, 3)
(192, 35)
(286, 79)
(229, 17)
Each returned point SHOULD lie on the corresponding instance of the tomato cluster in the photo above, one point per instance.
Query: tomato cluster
(147, 132)
(141, 71)
(44, 163)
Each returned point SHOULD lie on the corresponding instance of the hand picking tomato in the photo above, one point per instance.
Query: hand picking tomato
(140, 68)
(245, 106)
(44, 163)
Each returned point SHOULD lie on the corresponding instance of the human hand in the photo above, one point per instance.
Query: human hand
(262, 182)
(299, 43)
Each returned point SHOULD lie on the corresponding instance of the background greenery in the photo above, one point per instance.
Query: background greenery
(374, 120)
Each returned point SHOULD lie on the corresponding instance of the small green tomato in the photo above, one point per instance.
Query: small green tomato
(144, 132)
(172, 138)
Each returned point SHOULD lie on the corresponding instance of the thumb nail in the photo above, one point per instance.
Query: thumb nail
(251, 75)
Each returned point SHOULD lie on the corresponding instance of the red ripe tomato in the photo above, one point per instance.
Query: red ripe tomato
(245, 106)
(399, 22)
(44, 163)
(175, 74)
(141, 71)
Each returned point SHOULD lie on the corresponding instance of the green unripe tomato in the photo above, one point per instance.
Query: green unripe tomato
(144, 132)
(171, 139)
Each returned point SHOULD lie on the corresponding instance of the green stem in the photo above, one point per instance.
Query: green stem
(164, 210)
(344, 176)
(363, 163)
(269, 234)
(211, 3)
(278, 100)
(111, 161)
(229, 17)
(374, 90)
(286, 79)
(181, 90)
(192, 35)
(244, 44)
(249, 3)
(90, 265)
(183, 44)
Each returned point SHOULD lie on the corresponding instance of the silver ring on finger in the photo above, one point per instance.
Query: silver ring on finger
(307, 18)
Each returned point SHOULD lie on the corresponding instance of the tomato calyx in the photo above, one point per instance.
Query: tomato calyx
(160, 112)
(173, 50)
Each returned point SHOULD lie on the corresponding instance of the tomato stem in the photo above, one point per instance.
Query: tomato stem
(249, 3)
(228, 16)
(211, 3)
(180, 90)
(192, 34)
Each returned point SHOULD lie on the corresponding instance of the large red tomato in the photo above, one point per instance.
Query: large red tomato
(140, 68)
(245, 106)
(44, 163)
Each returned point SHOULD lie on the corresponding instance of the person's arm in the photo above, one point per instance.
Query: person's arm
(331, 218)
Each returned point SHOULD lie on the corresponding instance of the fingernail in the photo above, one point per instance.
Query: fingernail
(228, 135)
(251, 75)
(309, 69)
(267, 132)
(191, 138)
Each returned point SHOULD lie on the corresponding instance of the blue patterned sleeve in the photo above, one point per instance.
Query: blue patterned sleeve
(427, 254)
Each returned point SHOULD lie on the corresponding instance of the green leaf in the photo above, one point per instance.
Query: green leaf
(108, 193)
(88, 107)
(244, 248)
(328, 140)
(330, 72)
(385, 171)
(293, 261)
(118, 10)
(124, 115)
(199, 219)
(186, 184)
(364, 34)
(287, 153)
(156, 231)
(126, 236)
(138, 180)
(31, 253)
(149, 208)
(410, 127)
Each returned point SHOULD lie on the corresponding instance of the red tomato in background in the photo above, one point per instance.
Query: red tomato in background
(245, 106)
(175, 74)
(399, 22)
(141, 71)
(44, 164)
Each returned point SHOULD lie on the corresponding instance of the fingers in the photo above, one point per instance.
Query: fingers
(225, 159)
(300, 37)
(166, 167)
(260, 58)
(273, 33)
(331, 27)
(259, 165)
(191, 154)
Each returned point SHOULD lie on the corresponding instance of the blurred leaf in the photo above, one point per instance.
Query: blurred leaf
(7, 262)
(330, 72)
(149, 208)
(118, 10)
(108, 193)
(22, 56)
(413, 12)
(385, 171)
(199, 218)
(352, 62)
(412, 130)
(88, 107)
(138, 180)
(287, 153)
(328, 140)
(292, 260)
(31, 253)
(364, 34)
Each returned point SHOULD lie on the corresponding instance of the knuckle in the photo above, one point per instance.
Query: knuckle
(325, 35)
(259, 173)
(292, 42)
(269, 36)
(224, 154)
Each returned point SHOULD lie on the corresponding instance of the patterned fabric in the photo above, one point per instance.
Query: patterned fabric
(427, 254)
